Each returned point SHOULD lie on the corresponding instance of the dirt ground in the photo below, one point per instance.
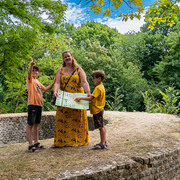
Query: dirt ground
(128, 134)
(139, 129)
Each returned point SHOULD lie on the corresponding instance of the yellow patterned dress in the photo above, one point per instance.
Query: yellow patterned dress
(71, 125)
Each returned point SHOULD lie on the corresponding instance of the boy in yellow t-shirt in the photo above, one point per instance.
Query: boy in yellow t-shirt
(97, 99)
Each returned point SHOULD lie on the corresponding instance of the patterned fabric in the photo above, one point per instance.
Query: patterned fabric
(71, 126)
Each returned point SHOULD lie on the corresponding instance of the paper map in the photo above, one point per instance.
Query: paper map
(65, 99)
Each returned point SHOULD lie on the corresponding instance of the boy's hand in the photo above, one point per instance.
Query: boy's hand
(33, 62)
(77, 99)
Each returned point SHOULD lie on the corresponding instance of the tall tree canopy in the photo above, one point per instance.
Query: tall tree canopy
(39, 14)
(20, 23)
(133, 63)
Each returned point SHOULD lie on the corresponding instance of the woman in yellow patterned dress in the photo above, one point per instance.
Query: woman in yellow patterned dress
(71, 125)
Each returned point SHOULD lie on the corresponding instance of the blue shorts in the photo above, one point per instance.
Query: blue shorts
(34, 114)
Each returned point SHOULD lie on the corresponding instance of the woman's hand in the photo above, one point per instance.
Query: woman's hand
(55, 94)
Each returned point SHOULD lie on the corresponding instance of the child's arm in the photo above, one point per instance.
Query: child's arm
(89, 98)
(30, 68)
(50, 86)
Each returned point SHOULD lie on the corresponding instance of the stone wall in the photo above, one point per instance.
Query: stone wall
(13, 126)
(162, 165)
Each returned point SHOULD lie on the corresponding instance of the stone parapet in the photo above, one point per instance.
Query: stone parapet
(13, 126)
(162, 165)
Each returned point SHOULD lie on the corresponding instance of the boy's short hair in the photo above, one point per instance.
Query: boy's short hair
(98, 73)
(36, 68)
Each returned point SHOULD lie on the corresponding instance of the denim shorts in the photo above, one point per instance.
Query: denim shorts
(98, 120)
(34, 114)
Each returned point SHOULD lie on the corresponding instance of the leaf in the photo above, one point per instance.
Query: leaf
(101, 2)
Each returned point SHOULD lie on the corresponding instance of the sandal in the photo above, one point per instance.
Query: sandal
(99, 147)
(32, 149)
(104, 144)
(38, 146)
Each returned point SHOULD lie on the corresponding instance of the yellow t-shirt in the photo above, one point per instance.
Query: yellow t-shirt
(34, 88)
(98, 103)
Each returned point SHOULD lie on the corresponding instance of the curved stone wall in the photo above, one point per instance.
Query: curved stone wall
(162, 165)
(13, 126)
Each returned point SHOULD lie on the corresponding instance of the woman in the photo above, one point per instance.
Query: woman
(71, 126)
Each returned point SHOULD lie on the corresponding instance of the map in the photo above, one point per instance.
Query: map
(66, 99)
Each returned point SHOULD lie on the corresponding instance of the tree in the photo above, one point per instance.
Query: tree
(20, 23)
(169, 103)
(48, 57)
(92, 31)
(160, 9)
(163, 11)
(164, 53)
(38, 14)
(21, 26)
(168, 70)
(126, 77)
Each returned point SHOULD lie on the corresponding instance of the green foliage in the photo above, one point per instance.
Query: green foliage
(125, 76)
(161, 55)
(116, 105)
(162, 11)
(16, 89)
(149, 101)
(15, 44)
(152, 54)
(2, 109)
(131, 47)
(167, 71)
(133, 63)
(169, 104)
(20, 25)
(31, 13)
(43, 50)
(94, 32)
(132, 85)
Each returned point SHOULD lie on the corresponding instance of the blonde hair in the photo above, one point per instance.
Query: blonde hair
(74, 63)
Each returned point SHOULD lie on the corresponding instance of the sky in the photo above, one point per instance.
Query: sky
(78, 14)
